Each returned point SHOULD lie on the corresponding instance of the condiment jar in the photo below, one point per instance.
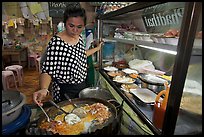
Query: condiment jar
(160, 107)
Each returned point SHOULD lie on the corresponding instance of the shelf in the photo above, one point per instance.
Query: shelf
(130, 8)
(139, 42)
(197, 51)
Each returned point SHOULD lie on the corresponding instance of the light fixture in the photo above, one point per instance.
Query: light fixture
(159, 49)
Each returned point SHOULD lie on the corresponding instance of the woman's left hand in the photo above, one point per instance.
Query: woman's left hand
(97, 47)
(99, 44)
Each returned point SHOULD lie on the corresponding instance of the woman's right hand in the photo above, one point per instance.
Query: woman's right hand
(39, 95)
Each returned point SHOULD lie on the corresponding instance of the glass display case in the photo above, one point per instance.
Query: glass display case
(169, 35)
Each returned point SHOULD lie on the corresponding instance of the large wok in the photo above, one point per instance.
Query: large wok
(95, 92)
(53, 112)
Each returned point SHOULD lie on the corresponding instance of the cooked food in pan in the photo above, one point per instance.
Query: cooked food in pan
(97, 113)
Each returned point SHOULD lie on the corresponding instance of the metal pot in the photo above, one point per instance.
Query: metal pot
(152, 82)
(95, 92)
(105, 128)
(12, 102)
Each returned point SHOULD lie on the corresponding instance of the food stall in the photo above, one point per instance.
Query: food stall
(160, 39)
(152, 54)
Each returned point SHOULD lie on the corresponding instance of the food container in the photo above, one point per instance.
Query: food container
(155, 40)
(144, 95)
(12, 102)
(147, 37)
(152, 82)
(138, 36)
(161, 40)
(171, 41)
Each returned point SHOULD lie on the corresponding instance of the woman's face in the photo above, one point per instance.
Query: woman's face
(74, 26)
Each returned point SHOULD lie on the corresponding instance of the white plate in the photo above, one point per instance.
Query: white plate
(123, 79)
(110, 68)
(127, 87)
(115, 73)
(130, 71)
(145, 95)
(154, 79)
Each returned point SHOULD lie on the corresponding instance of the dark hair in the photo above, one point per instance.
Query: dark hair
(74, 11)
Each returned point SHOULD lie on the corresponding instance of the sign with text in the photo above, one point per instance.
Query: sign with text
(162, 17)
(56, 9)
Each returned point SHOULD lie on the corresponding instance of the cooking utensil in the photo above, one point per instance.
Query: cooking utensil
(95, 92)
(70, 118)
(77, 110)
(69, 99)
(53, 103)
(48, 118)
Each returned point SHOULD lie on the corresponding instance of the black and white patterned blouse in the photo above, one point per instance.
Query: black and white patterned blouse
(65, 63)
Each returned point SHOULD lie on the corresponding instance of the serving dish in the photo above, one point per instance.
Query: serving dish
(110, 68)
(123, 79)
(144, 95)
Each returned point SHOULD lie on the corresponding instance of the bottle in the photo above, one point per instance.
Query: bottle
(160, 107)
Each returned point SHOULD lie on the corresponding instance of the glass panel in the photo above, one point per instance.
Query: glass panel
(144, 27)
(191, 101)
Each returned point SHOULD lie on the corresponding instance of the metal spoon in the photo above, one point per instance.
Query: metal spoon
(53, 103)
(77, 110)
(69, 99)
(70, 118)
(48, 118)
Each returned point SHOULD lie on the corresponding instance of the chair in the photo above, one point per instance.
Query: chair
(18, 70)
(32, 57)
(8, 77)
(37, 64)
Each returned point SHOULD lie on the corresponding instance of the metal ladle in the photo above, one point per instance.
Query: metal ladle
(77, 110)
(54, 104)
(70, 118)
(48, 118)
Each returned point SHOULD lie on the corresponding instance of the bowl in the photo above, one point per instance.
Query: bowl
(171, 41)
(152, 82)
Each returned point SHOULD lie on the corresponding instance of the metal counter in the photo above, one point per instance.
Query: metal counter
(187, 123)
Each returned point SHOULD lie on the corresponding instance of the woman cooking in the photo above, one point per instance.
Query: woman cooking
(66, 59)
